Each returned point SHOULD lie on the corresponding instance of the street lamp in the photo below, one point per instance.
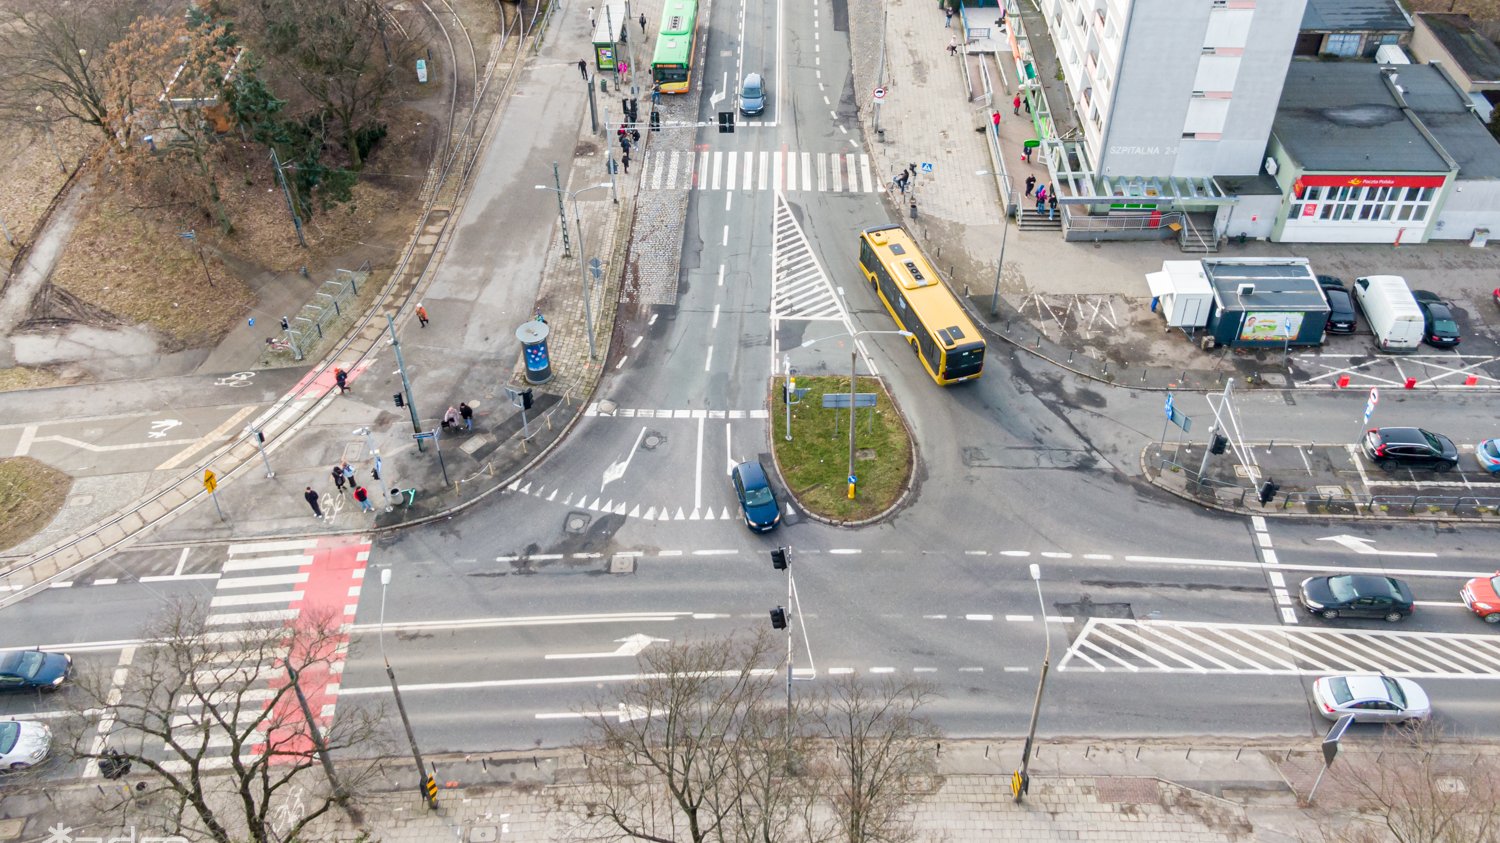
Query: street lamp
(1020, 782)
(853, 362)
(1004, 232)
(588, 311)
(384, 490)
(428, 795)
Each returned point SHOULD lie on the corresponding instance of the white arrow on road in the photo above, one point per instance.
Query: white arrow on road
(713, 99)
(625, 713)
(617, 470)
(1362, 546)
(629, 646)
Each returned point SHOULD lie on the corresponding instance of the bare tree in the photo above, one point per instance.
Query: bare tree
(1419, 789)
(217, 720)
(53, 54)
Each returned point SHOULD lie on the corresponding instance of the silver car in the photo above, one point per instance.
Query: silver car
(1371, 698)
(23, 743)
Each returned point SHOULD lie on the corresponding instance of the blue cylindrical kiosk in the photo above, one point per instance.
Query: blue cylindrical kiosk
(533, 337)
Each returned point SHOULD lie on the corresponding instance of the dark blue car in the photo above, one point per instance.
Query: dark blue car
(33, 670)
(757, 502)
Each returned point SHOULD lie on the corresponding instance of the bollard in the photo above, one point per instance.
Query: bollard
(1411, 383)
(1143, 376)
(1343, 381)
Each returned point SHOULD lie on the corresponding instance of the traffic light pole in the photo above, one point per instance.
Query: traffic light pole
(411, 737)
(411, 406)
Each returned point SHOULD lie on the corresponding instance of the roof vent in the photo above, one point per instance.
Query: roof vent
(1245, 289)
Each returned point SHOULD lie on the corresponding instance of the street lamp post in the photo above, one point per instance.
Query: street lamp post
(853, 368)
(375, 455)
(431, 801)
(583, 268)
(1021, 781)
(1004, 233)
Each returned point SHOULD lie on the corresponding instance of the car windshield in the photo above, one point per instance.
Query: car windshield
(1339, 687)
(1432, 442)
(10, 732)
(752, 88)
(1444, 326)
(23, 663)
(1491, 448)
(758, 497)
(1342, 588)
(1495, 583)
(1393, 688)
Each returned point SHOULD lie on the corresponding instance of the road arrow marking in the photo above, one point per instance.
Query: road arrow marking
(625, 714)
(713, 99)
(629, 646)
(617, 470)
(1363, 547)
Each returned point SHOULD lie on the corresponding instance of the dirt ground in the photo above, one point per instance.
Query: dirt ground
(31, 493)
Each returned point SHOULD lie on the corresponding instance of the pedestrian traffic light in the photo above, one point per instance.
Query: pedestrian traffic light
(778, 559)
(726, 122)
(778, 618)
(1219, 444)
(526, 401)
(400, 402)
(1268, 491)
(655, 120)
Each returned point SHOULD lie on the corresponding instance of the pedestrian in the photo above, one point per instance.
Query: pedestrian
(1051, 205)
(625, 162)
(583, 68)
(948, 16)
(635, 135)
(341, 377)
(312, 501)
(625, 144)
(1015, 104)
(655, 93)
(364, 499)
(1030, 185)
(468, 415)
(911, 169)
(540, 318)
(1041, 199)
(421, 314)
(901, 181)
(953, 45)
(643, 23)
(338, 478)
(995, 119)
(592, 25)
(450, 418)
(622, 132)
(348, 471)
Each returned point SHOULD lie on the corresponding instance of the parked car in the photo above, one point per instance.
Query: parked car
(757, 502)
(753, 94)
(1357, 596)
(1439, 328)
(1482, 596)
(23, 743)
(1341, 318)
(34, 670)
(1371, 698)
(1488, 454)
(1412, 447)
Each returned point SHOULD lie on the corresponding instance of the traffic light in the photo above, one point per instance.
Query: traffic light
(429, 789)
(726, 122)
(526, 401)
(400, 402)
(655, 120)
(1268, 491)
(778, 618)
(778, 558)
(1219, 444)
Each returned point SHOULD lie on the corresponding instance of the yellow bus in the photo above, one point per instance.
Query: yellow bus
(948, 344)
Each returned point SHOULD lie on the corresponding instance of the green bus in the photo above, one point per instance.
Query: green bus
(672, 64)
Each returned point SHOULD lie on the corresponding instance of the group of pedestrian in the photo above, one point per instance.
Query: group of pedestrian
(462, 414)
(1046, 199)
(343, 476)
(628, 137)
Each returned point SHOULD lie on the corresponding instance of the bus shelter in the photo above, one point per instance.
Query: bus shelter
(611, 29)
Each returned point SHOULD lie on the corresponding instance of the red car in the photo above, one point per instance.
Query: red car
(1482, 595)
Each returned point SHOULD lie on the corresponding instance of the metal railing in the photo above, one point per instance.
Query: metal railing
(1132, 221)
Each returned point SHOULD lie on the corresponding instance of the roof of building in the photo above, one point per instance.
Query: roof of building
(1279, 284)
(1475, 54)
(1354, 16)
(1349, 101)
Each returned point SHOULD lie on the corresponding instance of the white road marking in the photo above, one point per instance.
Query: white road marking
(535, 681)
(698, 471)
(1363, 547)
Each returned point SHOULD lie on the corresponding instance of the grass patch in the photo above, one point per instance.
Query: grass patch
(815, 464)
(31, 493)
(17, 378)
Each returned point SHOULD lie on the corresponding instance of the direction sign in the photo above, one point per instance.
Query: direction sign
(1168, 407)
(853, 478)
(879, 94)
(210, 480)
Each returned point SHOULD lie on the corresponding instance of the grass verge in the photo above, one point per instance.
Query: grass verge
(815, 464)
(31, 493)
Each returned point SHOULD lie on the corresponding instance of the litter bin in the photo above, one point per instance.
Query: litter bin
(533, 337)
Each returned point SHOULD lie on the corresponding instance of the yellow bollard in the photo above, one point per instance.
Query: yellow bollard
(851, 491)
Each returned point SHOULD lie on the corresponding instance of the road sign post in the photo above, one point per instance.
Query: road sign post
(1330, 750)
(211, 483)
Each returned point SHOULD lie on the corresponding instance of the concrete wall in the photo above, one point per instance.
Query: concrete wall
(1253, 216)
(1467, 206)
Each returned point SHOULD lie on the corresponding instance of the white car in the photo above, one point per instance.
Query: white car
(23, 743)
(1371, 698)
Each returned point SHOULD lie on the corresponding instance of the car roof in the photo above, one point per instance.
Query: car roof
(752, 78)
(751, 472)
(1369, 686)
(1367, 584)
(1402, 434)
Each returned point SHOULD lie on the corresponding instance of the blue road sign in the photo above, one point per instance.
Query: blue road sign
(853, 479)
(926, 167)
(1168, 407)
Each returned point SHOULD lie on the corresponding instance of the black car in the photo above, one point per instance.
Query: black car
(1439, 329)
(1357, 596)
(1341, 319)
(33, 670)
(1394, 447)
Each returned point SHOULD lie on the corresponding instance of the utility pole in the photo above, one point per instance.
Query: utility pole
(340, 795)
(427, 796)
(375, 453)
(411, 406)
(853, 363)
(191, 235)
(286, 194)
(1021, 781)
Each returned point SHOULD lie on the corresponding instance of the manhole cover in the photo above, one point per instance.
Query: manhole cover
(577, 522)
(622, 563)
(1331, 491)
(484, 834)
(651, 440)
(865, 454)
(607, 407)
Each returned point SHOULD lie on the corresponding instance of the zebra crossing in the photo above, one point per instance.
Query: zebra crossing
(279, 582)
(780, 170)
(610, 506)
(800, 288)
(1146, 646)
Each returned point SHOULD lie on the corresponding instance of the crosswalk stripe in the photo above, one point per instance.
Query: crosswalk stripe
(791, 171)
(764, 156)
(730, 172)
(868, 178)
(807, 171)
(269, 547)
(252, 599)
(718, 161)
(749, 169)
(259, 582)
(257, 563)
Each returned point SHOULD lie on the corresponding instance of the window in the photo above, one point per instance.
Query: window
(1342, 44)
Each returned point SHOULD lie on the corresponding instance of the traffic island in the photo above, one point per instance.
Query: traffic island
(814, 462)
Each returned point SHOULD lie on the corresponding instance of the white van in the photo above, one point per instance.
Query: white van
(1391, 311)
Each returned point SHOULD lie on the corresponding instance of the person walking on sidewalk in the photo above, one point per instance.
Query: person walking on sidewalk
(421, 314)
(468, 412)
(312, 501)
(625, 161)
(450, 418)
(1051, 205)
(338, 478)
(948, 16)
(953, 45)
(1041, 199)
(341, 377)
(583, 68)
(363, 497)
(655, 93)
(995, 119)
(348, 471)
(592, 25)
(643, 23)
(1030, 185)
(1015, 104)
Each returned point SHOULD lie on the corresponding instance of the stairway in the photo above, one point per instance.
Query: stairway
(1027, 219)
